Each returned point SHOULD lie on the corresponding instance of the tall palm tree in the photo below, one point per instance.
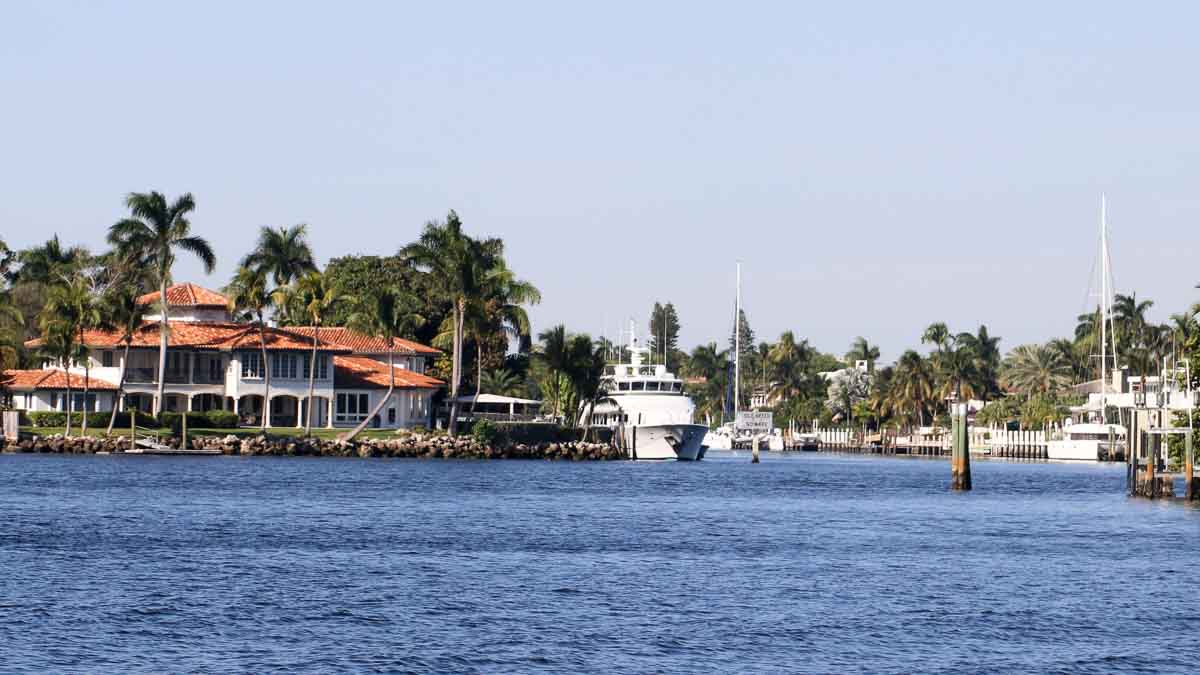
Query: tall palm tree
(9, 315)
(936, 334)
(985, 349)
(712, 364)
(555, 354)
(457, 265)
(155, 233)
(317, 295)
(790, 363)
(912, 386)
(46, 264)
(586, 373)
(1036, 369)
(861, 350)
(957, 367)
(249, 301)
(59, 345)
(283, 254)
(123, 311)
(498, 310)
(385, 312)
(72, 305)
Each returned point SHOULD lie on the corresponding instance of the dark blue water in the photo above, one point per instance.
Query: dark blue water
(812, 563)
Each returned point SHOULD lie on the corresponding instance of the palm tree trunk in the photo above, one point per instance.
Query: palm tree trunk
(68, 405)
(112, 419)
(478, 371)
(162, 344)
(312, 374)
(456, 359)
(262, 344)
(87, 362)
(383, 401)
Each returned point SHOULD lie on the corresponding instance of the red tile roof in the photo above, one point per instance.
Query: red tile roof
(198, 335)
(50, 379)
(360, 372)
(364, 344)
(188, 295)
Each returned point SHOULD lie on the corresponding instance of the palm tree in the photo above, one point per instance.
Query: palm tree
(987, 359)
(498, 310)
(58, 345)
(711, 364)
(586, 373)
(912, 386)
(555, 354)
(502, 382)
(790, 363)
(317, 295)
(861, 350)
(957, 367)
(283, 254)
(123, 310)
(72, 305)
(1074, 355)
(155, 232)
(46, 264)
(936, 334)
(383, 312)
(249, 300)
(1036, 369)
(457, 264)
(9, 351)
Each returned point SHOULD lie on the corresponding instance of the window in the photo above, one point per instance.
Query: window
(639, 386)
(322, 366)
(651, 386)
(623, 386)
(54, 400)
(106, 358)
(391, 415)
(283, 366)
(352, 408)
(251, 365)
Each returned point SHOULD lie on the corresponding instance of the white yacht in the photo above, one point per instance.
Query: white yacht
(648, 407)
(1091, 442)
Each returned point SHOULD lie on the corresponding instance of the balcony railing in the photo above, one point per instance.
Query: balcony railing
(139, 375)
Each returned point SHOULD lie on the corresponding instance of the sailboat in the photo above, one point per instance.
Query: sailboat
(724, 436)
(1094, 438)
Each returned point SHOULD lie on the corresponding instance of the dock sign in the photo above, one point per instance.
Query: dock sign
(755, 422)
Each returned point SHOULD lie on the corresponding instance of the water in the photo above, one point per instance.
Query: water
(812, 563)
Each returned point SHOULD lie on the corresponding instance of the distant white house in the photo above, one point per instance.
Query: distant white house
(214, 363)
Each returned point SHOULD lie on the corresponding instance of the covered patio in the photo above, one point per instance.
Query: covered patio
(498, 408)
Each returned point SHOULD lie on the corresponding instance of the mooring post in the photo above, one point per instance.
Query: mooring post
(754, 450)
(960, 455)
(1190, 491)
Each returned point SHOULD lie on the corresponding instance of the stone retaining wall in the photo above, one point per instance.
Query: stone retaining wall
(414, 445)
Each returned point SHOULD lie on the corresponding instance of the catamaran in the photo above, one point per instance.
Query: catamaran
(1094, 438)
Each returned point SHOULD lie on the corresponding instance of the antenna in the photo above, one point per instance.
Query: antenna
(737, 345)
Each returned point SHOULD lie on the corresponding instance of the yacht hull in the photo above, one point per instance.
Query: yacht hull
(665, 441)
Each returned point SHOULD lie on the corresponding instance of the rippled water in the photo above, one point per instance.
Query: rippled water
(811, 563)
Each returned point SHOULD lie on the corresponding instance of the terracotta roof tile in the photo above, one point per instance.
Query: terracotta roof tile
(198, 335)
(360, 372)
(364, 344)
(188, 295)
(50, 379)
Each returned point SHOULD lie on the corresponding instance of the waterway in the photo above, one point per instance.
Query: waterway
(811, 563)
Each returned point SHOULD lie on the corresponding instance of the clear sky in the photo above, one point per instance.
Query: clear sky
(876, 166)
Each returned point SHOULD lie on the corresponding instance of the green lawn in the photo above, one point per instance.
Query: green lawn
(273, 431)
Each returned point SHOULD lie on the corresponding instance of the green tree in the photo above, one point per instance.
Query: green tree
(283, 256)
(502, 382)
(1036, 369)
(72, 306)
(123, 311)
(664, 335)
(555, 356)
(249, 301)
(457, 264)
(912, 387)
(59, 345)
(383, 312)
(710, 366)
(155, 232)
(861, 350)
(316, 297)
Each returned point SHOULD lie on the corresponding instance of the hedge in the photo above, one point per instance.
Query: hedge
(213, 419)
(49, 418)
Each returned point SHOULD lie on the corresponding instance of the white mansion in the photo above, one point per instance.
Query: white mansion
(214, 363)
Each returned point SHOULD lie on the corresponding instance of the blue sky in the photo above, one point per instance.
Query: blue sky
(876, 166)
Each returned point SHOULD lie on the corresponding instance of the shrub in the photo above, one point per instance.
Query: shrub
(213, 419)
(487, 433)
(50, 418)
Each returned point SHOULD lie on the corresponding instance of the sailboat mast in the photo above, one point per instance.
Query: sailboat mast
(1104, 308)
(737, 345)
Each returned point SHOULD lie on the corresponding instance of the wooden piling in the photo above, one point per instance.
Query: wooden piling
(1191, 488)
(960, 457)
(754, 451)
